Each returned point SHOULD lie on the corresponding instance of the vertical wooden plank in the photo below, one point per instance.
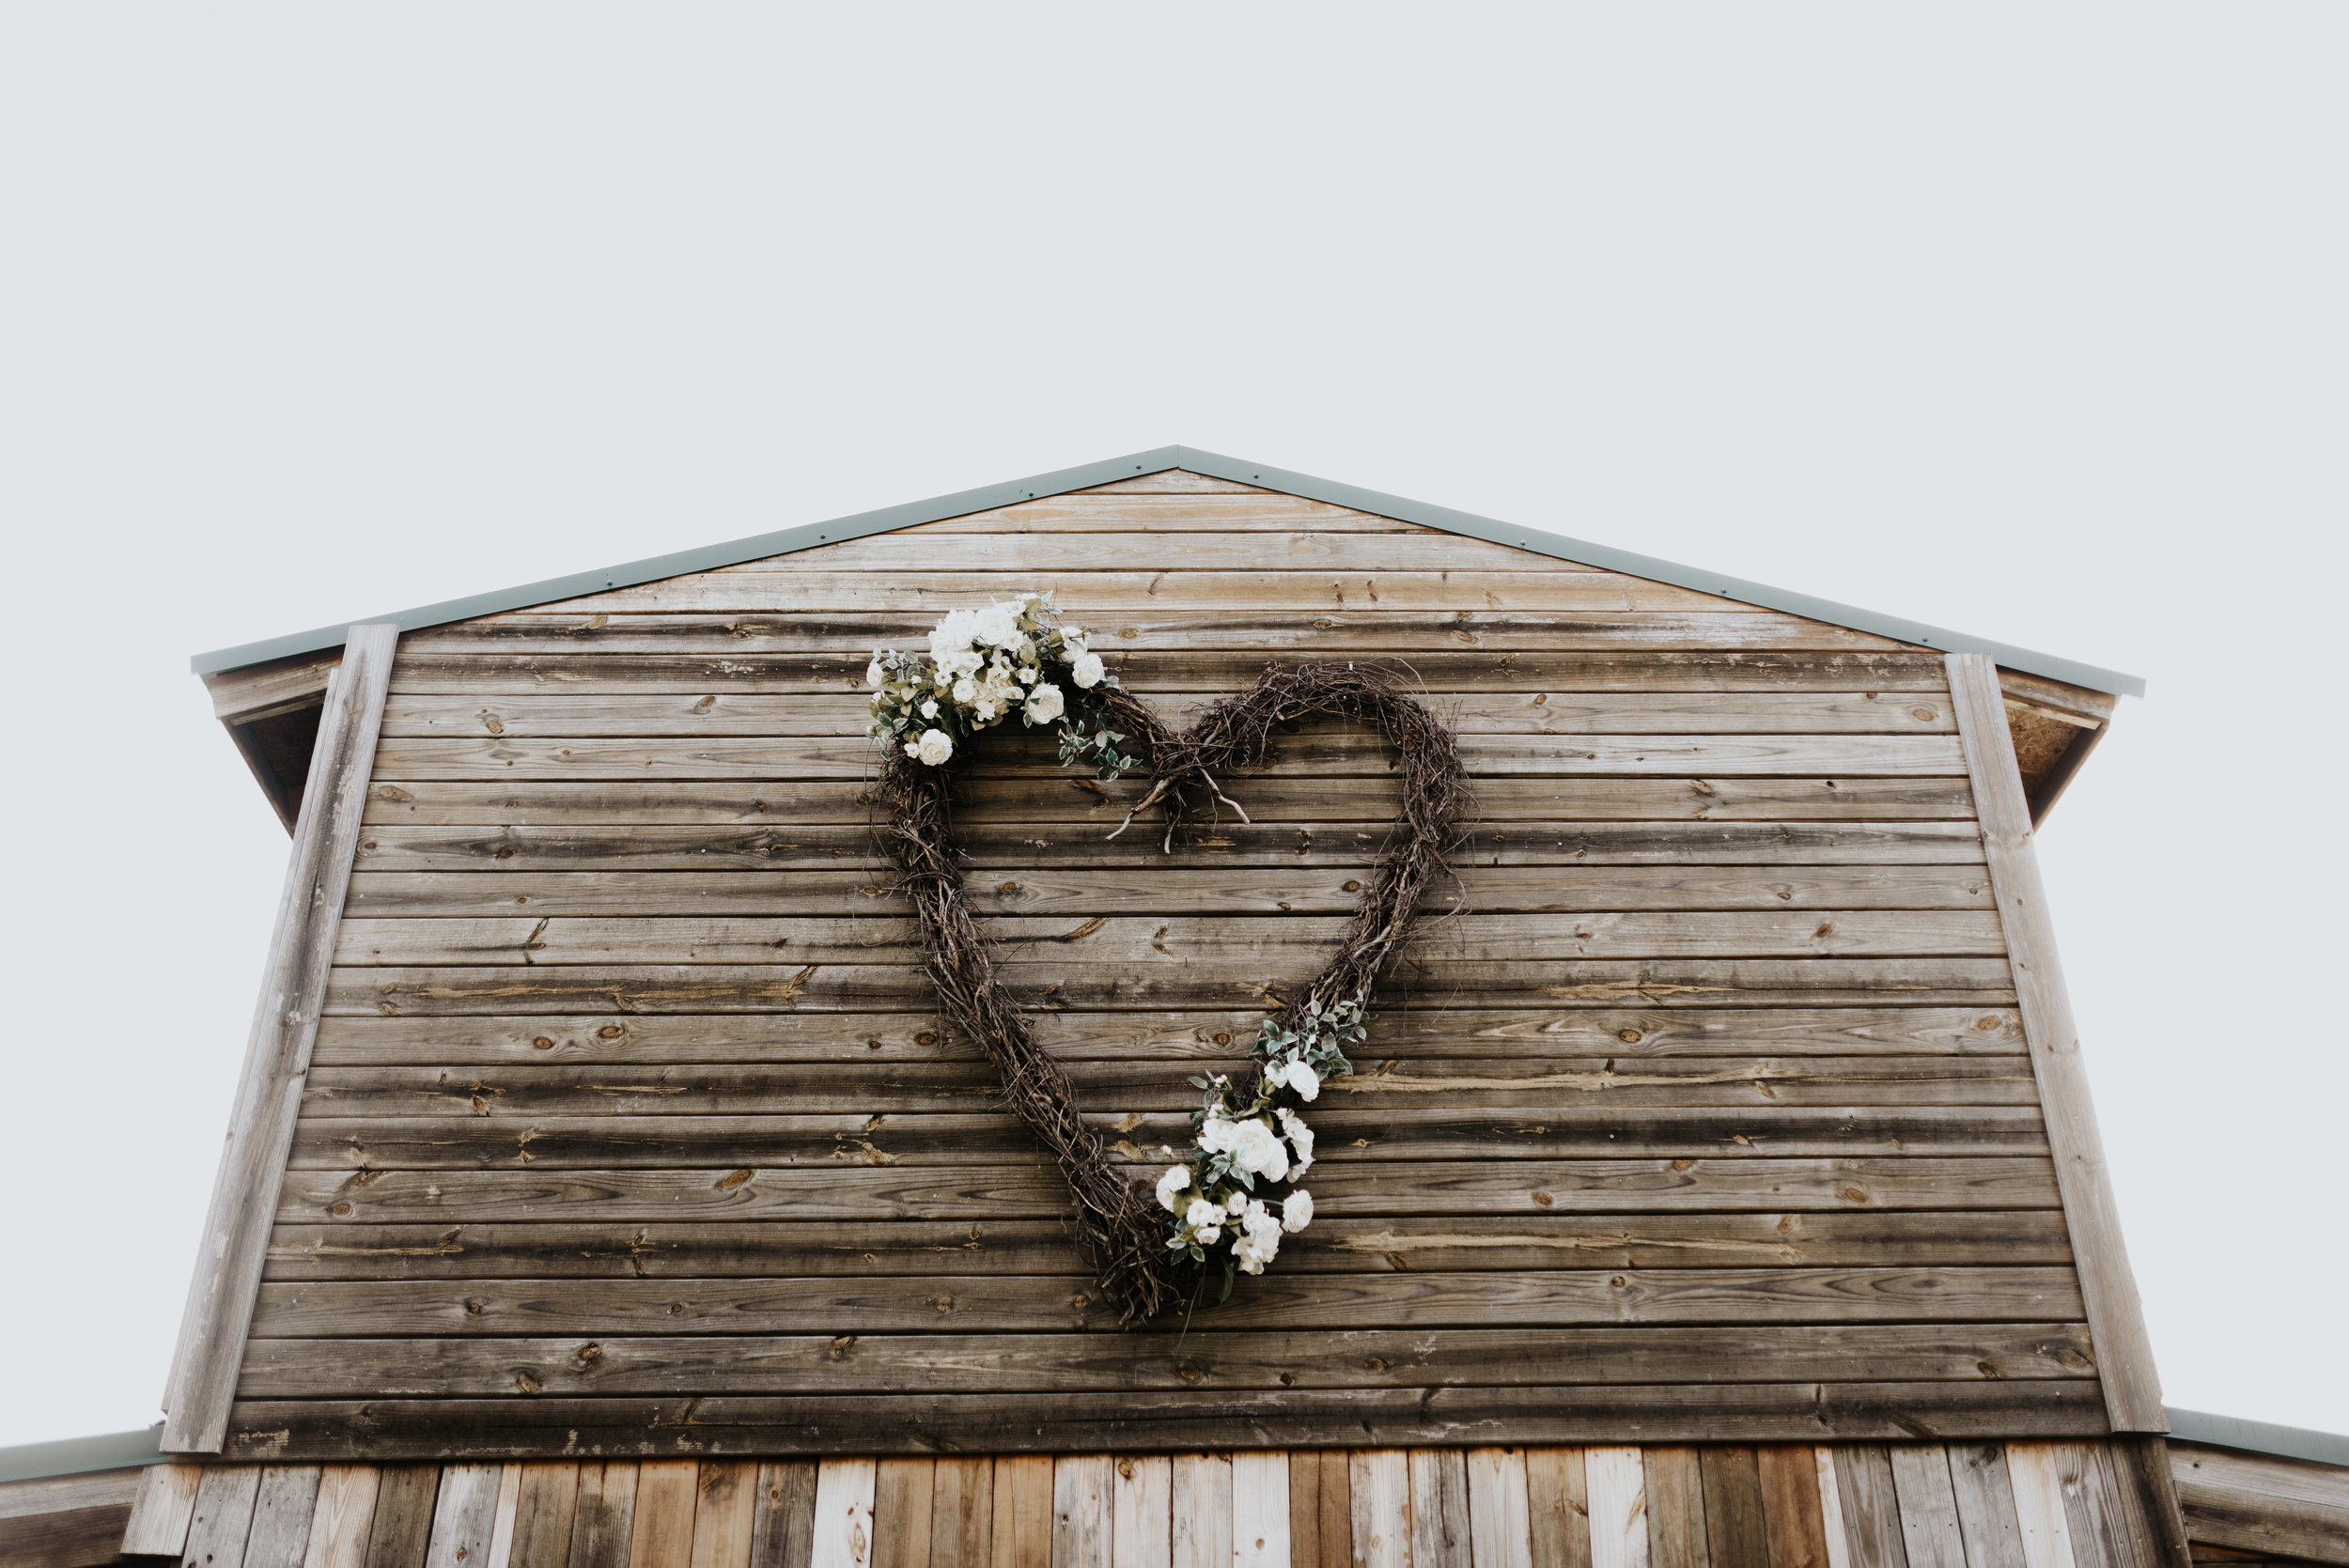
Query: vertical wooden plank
(2116, 1320)
(902, 1491)
(2140, 1467)
(603, 1519)
(962, 1513)
(2103, 1514)
(222, 1515)
(402, 1526)
(783, 1526)
(1440, 1514)
(1928, 1506)
(1617, 1484)
(1306, 1507)
(1734, 1530)
(1676, 1533)
(666, 1491)
(844, 1514)
(1985, 1506)
(1260, 1509)
(464, 1516)
(1333, 1530)
(503, 1519)
(1023, 1511)
(1378, 1491)
(341, 1519)
(544, 1500)
(1871, 1510)
(1141, 1511)
(1558, 1508)
(280, 1536)
(2031, 1471)
(1790, 1505)
(1202, 1495)
(723, 1510)
(227, 1277)
(1501, 1528)
(1831, 1508)
(160, 1512)
(1080, 1510)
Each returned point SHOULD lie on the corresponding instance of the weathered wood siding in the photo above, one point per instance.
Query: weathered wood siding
(1767, 1505)
(631, 1129)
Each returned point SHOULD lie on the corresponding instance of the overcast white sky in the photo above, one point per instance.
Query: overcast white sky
(2024, 320)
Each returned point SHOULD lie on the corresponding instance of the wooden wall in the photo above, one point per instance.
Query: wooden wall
(631, 1129)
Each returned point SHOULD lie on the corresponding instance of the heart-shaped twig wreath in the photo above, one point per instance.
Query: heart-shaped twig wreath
(991, 665)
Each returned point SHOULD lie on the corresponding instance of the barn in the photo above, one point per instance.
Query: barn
(1717, 1184)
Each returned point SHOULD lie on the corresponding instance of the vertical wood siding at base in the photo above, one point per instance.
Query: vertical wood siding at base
(1852, 1505)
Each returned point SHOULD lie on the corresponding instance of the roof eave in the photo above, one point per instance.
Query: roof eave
(1214, 465)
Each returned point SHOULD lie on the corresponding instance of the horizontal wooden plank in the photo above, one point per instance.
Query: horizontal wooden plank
(554, 827)
(565, 712)
(1202, 502)
(1082, 806)
(1135, 638)
(1264, 942)
(1345, 1135)
(1166, 481)
(1217, 668)
(1115, 1087)
(1023, 758)
(386, 1430)
(1138, 549)
(1211, 1359)
(2262, 1503)
(1032, 1303)
(257, 690)
(771, 1249)
(910, 585)
(1029, 1189)
(1076, 984)
(1084, 892)
(1543, 1034)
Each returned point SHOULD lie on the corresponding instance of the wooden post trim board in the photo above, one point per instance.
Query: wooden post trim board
(2116, 1321)
(277, 1053)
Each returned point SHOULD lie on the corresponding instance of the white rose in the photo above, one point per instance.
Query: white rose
(1073, 639)
(873, 674)
(914, 748)
(1218, 1135)
(1298, 1075)
(995, 627)
(1044, 705)
(1209, 1236)
(1296, 1211)
(1027, 677)
(965, 691)
(953, 634)
(937, 746)
(1258, 1151)
(1299, 1135)
(1086, 671)
(1175, 1179)
(930, 709)
(1203, 1214)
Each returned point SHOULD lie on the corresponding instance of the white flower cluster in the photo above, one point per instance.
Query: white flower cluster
(985, 666)
(1235, 1146)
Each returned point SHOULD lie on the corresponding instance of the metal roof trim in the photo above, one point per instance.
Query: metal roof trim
(2233, 1432)
(111, 1450)
(1214, 465)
